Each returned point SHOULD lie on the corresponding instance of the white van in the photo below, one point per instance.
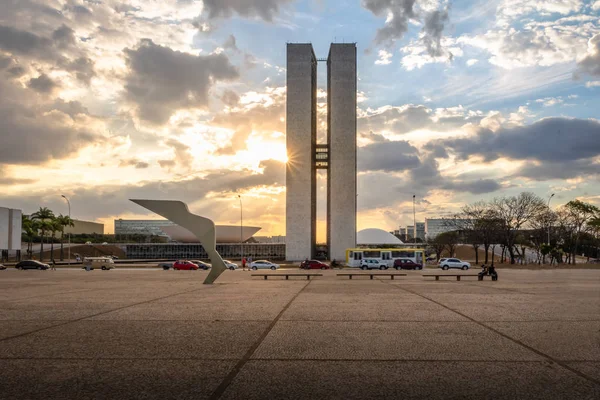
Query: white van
(104, 263)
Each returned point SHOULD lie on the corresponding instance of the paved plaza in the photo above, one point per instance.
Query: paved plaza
(72, 334)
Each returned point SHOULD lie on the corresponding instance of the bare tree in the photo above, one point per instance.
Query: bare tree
(577, 216)
(514, 212)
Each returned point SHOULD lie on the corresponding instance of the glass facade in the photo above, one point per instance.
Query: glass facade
(173, 251)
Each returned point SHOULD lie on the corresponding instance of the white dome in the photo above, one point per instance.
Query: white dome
(376, 236)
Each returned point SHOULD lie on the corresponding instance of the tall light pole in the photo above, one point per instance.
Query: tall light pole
(549, 198)
(241, 227)
(414, 222)
(69, 248)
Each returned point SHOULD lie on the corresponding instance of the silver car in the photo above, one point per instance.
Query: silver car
(448, 263)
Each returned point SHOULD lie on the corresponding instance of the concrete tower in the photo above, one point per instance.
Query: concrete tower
(305, 156)
(341, 137)
(301, 140)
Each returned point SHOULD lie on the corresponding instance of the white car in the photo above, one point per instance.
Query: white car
(373, 263)
(230, 265)
(263, 264)
(453, 263)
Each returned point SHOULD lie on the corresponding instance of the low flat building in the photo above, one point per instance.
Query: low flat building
(435, 226)
(85, 228)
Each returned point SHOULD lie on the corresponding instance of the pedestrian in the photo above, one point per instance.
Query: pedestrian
(243, 263)
(53, 268)
(249, 262)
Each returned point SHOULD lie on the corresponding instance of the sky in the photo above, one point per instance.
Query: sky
(458, 101)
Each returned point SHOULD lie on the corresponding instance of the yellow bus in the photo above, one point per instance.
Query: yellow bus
(355, 256)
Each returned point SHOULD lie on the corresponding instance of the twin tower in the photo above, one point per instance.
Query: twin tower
(305, 155)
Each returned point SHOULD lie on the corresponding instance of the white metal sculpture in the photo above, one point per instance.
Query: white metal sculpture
(203, 228)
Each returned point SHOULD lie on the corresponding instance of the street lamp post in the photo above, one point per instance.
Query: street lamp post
(414, 222)
(549, 198)
(69, 248)
(241, 227)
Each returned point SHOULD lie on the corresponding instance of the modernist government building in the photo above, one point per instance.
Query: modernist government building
(306, 156)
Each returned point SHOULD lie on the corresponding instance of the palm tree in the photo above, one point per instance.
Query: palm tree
(64, 221)
(30, 228)
(43, 215)
(55, 226)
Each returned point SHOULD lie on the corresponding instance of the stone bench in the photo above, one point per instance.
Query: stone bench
(287, 276)
(350, 275)
(458, 276)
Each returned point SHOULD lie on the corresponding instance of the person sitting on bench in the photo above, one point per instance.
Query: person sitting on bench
(484, 272)
(492, 272)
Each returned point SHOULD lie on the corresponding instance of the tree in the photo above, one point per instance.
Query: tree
(480, 227)
(55, 226)
(579, 215)
(449, 240)
(437, 246)
(64, 221)
(513, 213)
(43, 215)
(30, 229)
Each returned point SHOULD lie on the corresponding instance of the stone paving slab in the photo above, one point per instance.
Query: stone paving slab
(407, 380)
(562, 340)
(394, 310)
(138, 339)
(388, 341)
(110, 379)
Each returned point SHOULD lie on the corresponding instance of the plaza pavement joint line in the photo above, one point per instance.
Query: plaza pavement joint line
(93, 315)
(536, 351)
(220, 390)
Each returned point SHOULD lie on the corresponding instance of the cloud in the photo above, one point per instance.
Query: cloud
(590, 64)
(161, 80)
(472, 62)
(264, 9)
(34, 133)
(547, 140)
(537, 43)
(592, 84)
(134, 162)
(384, 155)
(399, 13)
(550, 101)
(43, 84)
(230, 98)
(384, 58)
(564, 169)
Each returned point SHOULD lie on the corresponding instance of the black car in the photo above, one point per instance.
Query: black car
(31, 264)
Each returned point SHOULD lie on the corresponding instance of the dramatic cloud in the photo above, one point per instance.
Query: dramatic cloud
(537, 43)
(591, 62)
(564, 169)
(43, 84)
(161, 80)
(408, 118)
(399, 13)
(265, 9)
(548, 140)
(388, 156)
(34, 134)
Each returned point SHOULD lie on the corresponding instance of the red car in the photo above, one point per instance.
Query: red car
(313, 264)
(184, 265)
(405, 263)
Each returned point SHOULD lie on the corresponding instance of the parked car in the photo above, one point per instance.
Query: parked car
(88, 242)
(165, 265)
(114, 257)
(184, 265)
(201, 264)
(2, 267)
(313, 264)
(231, 265)
(446, 263)
(373, 263)
(31, 264)
(263, 264)
(406, 263)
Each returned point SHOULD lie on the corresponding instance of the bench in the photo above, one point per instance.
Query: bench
(287, 276)
(437, 276)
(350, 275)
